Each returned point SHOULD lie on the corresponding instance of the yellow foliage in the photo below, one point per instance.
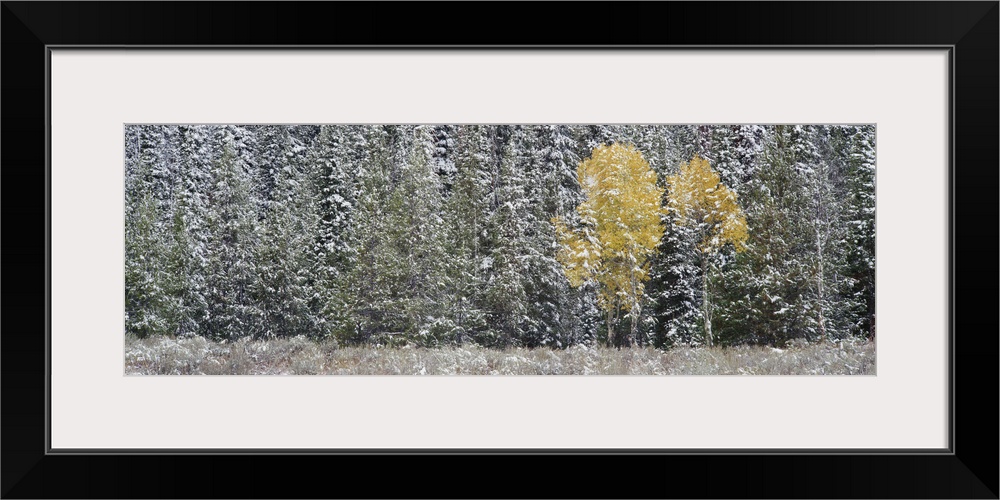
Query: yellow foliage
(620, 228)
(698, 197)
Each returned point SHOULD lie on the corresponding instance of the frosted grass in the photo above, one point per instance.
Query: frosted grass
(300, 356)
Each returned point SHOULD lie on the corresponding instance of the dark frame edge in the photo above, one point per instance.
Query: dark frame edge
(976, 84)
(48, 250)
(958, 456)
(951, 250)
(503, 451)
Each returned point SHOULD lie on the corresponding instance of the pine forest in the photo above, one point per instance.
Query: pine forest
(389, 245)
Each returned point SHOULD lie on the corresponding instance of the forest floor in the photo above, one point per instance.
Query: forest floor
(300, 356)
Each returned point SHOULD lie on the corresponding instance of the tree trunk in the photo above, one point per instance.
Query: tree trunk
(704, 300)
(611, 331)
(819, 283)
(634, 314)
(634, 336)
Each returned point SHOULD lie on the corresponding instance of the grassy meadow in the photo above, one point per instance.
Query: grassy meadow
(161, 355)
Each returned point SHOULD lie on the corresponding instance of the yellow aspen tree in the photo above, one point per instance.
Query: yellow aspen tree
(697, 198)
(620, 227)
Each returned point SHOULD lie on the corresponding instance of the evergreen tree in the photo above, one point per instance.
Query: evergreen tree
(370, 276)
(332, 175)
(768, 282)
(443, 156)
(182, 274)
(825, 298)
(230, 273)
(191, 208)
(674, 287)
(504, 267)
(858, 220)
(415, 226)
(466, 211)
(266, 156)
(284, 288)
(548, 158)
(735, 149)
(145, 297)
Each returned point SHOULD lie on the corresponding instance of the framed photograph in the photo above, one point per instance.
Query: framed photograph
(286, 235)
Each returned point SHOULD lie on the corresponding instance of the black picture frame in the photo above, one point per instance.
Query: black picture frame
(969, 469)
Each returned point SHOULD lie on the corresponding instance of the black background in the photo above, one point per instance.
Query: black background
(971, 472)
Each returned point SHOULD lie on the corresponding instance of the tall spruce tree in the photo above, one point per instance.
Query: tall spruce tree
(504, 266)
(145, 296)
(230, 273)
(769, 281)
(858, 220)
(466, 211)
(331, 173)
(284, 288)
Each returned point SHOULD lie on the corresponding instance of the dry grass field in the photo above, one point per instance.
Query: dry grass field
(300, 356)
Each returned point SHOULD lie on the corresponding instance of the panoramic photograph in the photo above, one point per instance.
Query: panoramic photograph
(510, 249)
